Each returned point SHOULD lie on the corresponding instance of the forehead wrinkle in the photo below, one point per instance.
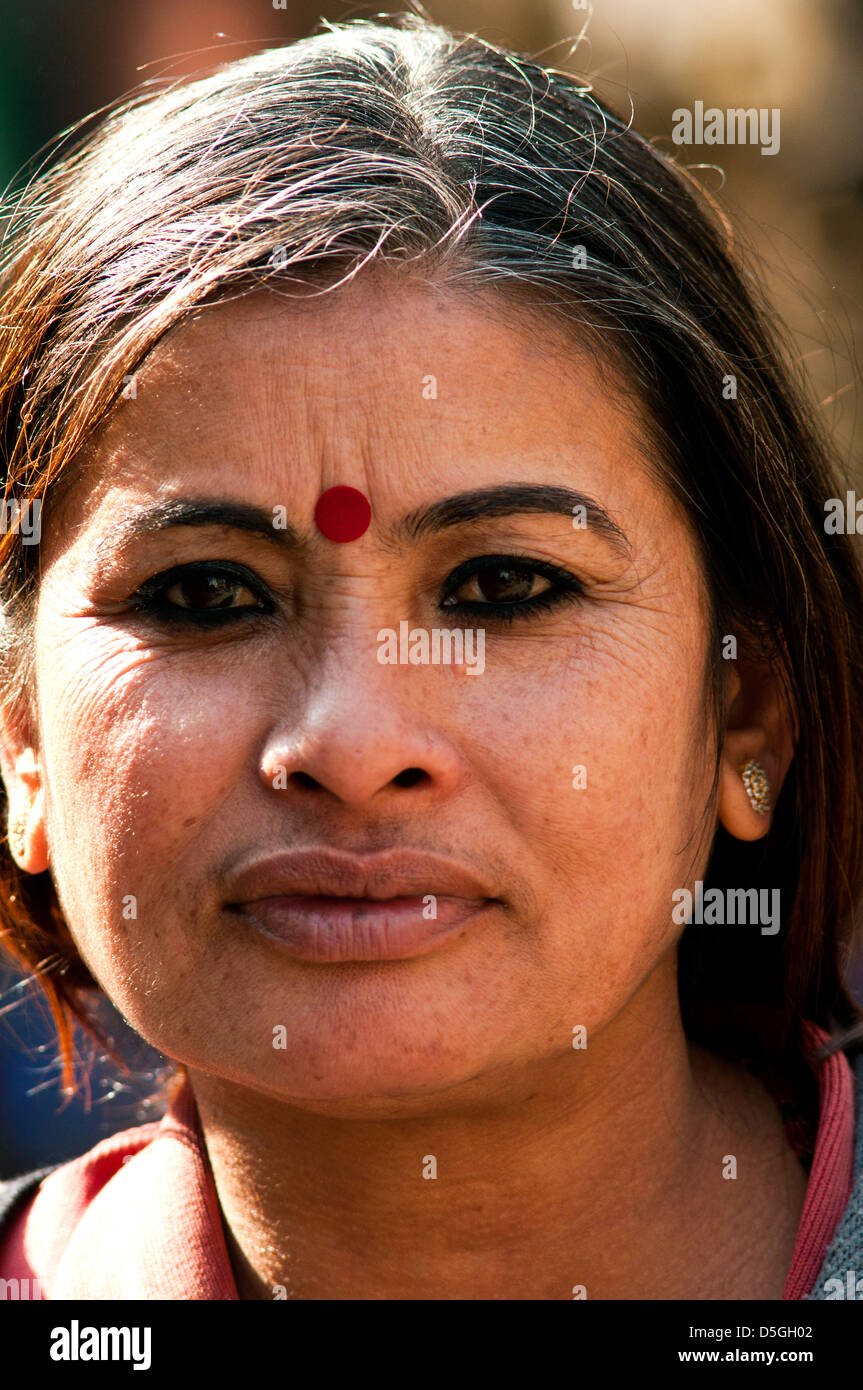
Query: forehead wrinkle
(297, 414)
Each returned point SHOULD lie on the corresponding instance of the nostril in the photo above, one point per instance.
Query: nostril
(302, 779)
(409, 777)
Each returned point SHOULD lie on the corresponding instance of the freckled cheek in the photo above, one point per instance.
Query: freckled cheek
(592, 771)
(579, 744)
(139, 755)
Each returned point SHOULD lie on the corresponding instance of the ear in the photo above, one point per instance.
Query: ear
(759, 728)
(22, 778)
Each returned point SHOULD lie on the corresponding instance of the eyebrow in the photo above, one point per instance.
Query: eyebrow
(511, 500)
(481, 504)
(237, 516)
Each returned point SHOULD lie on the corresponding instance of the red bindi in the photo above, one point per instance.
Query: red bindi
(343, 514)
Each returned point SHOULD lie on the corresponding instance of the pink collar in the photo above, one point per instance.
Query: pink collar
(831, 1177)
(136, 1217)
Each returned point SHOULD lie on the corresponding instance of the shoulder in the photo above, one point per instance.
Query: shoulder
(841, 1275)
(40, 1210)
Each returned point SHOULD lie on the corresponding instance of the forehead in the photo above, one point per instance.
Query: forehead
(380, 343)
(390, 383)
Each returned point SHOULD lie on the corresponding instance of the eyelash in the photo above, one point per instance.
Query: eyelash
(151, 602)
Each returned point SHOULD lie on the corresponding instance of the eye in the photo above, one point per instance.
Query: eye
(506, 586)
(204, 593)
(205, 589)
(501, 584)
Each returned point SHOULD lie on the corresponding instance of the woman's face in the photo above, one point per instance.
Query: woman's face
(201, 739)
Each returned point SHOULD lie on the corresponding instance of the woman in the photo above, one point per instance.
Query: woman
(518, 977)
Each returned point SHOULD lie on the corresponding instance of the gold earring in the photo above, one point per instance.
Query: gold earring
(757, 786)
(18, 834)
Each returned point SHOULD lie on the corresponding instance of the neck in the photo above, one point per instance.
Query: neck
(600, 1168)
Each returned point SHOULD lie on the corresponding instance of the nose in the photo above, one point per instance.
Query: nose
(362, 738)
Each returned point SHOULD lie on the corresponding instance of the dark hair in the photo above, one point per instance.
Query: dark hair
(403, 144)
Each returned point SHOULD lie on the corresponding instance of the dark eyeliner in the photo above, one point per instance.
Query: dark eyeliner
(149, 600)
(568, 589)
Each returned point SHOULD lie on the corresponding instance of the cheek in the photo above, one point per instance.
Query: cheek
(599, 744)
(598, 767)
(138, 758)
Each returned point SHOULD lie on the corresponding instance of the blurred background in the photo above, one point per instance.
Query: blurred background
(800, 212)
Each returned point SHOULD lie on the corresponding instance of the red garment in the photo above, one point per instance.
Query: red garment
(831, 1177)
(138, 1216)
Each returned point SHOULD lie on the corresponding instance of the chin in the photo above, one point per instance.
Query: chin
(375, 1076)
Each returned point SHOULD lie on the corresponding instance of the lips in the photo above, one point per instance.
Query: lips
(330, 906)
